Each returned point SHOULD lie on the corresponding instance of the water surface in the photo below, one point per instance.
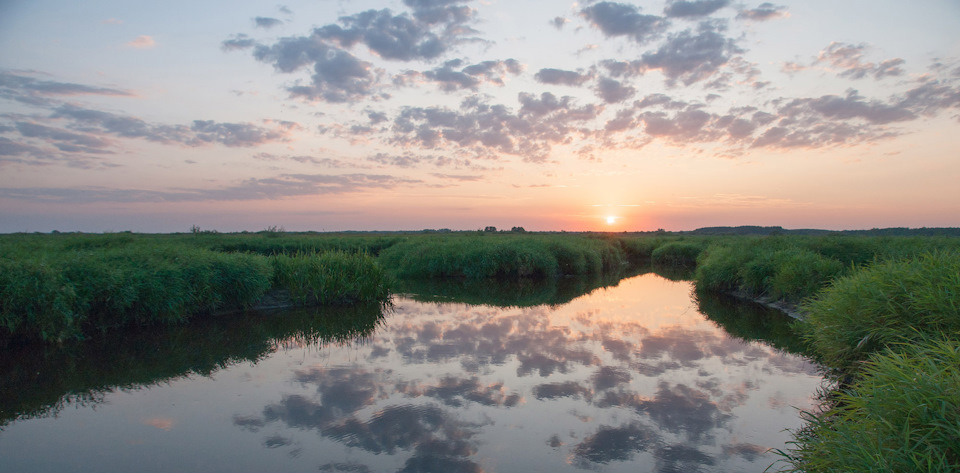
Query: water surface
(632, 377)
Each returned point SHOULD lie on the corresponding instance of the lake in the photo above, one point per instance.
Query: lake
(639, 375)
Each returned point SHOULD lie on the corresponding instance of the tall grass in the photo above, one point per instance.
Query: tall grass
(902, 415)
(889, 302)
(501, 256)
(330, 278)
(60, 287)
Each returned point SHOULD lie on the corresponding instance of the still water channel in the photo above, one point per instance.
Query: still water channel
(642, 375)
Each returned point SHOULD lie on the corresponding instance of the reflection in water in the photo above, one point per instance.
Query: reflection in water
(38, 380)
(625, 378)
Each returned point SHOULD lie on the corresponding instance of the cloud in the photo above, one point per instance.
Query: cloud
(325, 162)
(488, 130)
(24, 88)
(848, 59)
(338, 76)
(765, 11)
(434, 28)
(620, 19)
(613, 91)
(849, 107)
(693, 9)
(142, 42)
(200, 132)
(690, 57)
(64, 140)
(272, 188)
(454, 75)
(558, 22)
(266, 22)
(240, 41)
(561, 77)
(687, 56)
(239, 134)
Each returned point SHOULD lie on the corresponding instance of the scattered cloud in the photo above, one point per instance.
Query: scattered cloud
(848, 59)
(613, 91)
(765, 11)
(266, 22)
(561, 77)
(142, 42)
(622, 19)
(272, 188)
(456, 75)
(338, 76)
(693, 9)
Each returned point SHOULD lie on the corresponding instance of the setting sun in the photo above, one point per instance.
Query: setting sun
(611, 220)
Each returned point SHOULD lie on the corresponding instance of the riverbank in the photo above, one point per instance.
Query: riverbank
(881, 317)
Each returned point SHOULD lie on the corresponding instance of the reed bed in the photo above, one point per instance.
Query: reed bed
(501, 256)
(57, 287)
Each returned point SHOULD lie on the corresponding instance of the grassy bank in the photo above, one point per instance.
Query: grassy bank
(57, 287)
(892, 331)
(882, 315)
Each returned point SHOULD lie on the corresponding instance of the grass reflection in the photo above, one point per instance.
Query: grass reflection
(40, 379)
(750, 321)
(511, 293)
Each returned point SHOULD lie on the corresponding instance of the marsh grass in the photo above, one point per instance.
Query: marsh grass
(60, 287)
(902, 415)
(677, 254)
(501, 256)
(330, 278)
(886, 303)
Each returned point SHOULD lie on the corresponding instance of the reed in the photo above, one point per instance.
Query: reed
(886, 303)
(902, 415)
(330, 278)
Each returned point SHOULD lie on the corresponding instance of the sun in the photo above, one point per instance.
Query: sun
(611, 220)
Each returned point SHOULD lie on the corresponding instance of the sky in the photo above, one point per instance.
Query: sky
(427, 114)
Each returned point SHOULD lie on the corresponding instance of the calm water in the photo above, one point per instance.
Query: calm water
(627, 378)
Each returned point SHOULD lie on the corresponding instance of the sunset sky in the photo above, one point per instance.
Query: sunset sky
(413, 114)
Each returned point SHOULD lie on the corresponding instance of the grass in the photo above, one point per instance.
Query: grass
(889, 302)
(57, 287)
(472, 256)
(330, 278)
(902, 415)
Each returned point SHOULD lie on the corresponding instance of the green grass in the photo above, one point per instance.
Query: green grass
(886, 303)
(330, 278)
(903, 415)
(60, 287)
(474, 256)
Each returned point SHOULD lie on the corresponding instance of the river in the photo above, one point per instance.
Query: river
(640, 376)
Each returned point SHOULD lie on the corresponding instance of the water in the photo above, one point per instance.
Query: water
(633, 377)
